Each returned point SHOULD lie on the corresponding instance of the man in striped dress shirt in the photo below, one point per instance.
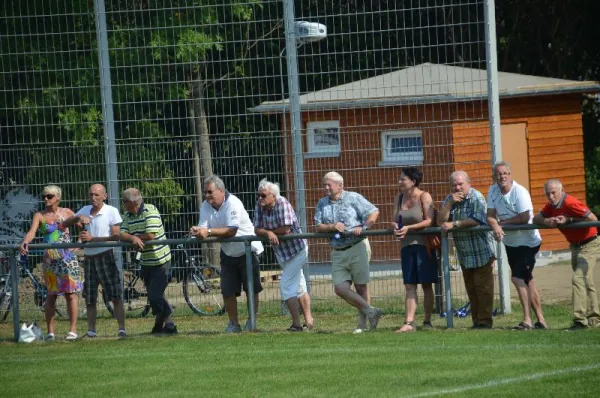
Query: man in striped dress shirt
(142, 222)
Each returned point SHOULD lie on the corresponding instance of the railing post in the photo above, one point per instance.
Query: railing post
(447, 287)
(14, 281)
(503, 280)
(250, 292)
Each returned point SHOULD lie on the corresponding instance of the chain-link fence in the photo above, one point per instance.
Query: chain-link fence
(159, 95)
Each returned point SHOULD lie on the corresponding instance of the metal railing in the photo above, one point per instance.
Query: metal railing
(13, 251)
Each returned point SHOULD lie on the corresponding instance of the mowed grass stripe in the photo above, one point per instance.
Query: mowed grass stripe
(275, 364)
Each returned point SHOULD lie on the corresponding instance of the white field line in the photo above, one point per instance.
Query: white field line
(510, 380)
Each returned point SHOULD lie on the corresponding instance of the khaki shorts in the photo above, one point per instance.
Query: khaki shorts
(352, 264)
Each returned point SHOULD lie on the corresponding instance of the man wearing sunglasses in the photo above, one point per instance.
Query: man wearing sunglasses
(509, 203)
(274, 216)
(223, 215)
(101, 224)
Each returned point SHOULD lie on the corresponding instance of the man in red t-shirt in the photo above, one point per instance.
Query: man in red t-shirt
(564, 209)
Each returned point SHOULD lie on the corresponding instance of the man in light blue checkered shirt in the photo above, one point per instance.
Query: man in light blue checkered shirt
(466, 207)
(340, 212)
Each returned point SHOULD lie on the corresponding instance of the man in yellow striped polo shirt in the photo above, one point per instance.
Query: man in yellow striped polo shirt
(142, 222)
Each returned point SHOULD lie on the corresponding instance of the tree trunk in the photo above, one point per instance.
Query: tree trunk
(202, 153)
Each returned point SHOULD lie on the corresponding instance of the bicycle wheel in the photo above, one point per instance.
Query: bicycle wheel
(5, 300)
(135, 297)
(202, 290)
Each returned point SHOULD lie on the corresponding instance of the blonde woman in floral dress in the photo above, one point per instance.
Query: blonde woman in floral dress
(60, 266)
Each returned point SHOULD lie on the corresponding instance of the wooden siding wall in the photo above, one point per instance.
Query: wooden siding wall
(555, 151)
(359, 161)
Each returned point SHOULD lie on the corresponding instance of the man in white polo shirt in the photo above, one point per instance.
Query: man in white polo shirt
(223, 215)
(102, 223)
(510, 203)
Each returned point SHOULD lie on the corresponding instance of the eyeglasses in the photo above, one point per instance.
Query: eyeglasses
(262, 195)
(48, 196)
(498, 175)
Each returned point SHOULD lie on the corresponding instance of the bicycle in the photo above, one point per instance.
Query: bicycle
(201, 284)
(40, 291)
(135, 295)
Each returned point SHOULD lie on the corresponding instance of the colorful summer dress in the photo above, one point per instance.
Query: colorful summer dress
(60, 266)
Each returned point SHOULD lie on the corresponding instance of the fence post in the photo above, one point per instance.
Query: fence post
(447, 287)
(493, 96)
(14, 281)
(250, 292)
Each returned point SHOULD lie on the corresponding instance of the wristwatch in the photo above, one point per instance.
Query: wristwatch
(365, 227)
(456, 224)
(209, 232)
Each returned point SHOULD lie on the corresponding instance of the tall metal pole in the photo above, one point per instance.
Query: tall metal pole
(447, 280)
(296, 120)
(495, 134)
(14, 284)
(295, 115)
(108, 118)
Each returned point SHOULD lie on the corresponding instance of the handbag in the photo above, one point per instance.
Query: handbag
(433, 242)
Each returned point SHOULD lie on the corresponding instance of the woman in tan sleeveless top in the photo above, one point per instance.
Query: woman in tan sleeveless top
(418, 266)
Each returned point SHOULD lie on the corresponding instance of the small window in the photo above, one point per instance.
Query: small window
(323, 138)
(402, 147)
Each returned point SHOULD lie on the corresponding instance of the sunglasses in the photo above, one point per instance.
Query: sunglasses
(209, 192)
(48, 196)
(262, 195)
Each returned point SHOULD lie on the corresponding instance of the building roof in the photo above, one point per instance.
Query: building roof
(428, 83)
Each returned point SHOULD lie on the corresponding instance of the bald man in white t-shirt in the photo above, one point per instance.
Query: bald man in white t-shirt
(102, 224)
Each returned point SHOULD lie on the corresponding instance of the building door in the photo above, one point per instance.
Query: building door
(515, 151)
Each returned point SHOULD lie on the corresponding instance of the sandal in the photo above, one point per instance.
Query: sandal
(294, 328)
(539, 325)
(523, 326)
(307, 327)
(71, 336)
(404, 329)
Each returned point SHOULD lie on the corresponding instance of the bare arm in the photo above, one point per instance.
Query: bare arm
(521, 218)
(35, 224)
(444, 213)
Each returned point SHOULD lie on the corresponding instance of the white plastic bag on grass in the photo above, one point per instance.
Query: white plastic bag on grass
(30, 333)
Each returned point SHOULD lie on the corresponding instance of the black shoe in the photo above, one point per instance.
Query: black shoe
(539, 325)
(483, 326)
(157, 329)
(295, 329)
(170, 329)
(577, 326)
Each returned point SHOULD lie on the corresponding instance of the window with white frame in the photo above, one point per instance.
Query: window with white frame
(402, 147)
(323, 138)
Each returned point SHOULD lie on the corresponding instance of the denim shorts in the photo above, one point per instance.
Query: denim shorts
(418, 266)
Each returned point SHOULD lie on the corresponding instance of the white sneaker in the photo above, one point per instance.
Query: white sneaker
(71, 336)
(50, 337)
(361, 323)
(231, 328)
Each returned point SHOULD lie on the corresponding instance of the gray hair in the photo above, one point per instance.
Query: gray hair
(54, 190)
(552, 181)
(214, 179)
(334, 176)
(501, 163)
(132, 194)
(272, 187)
(459, 173)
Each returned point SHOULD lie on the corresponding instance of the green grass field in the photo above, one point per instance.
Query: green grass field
(330, 361)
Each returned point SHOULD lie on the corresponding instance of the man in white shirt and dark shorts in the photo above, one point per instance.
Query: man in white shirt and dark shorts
(101, 224)
(510, 203)
(223, 215)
